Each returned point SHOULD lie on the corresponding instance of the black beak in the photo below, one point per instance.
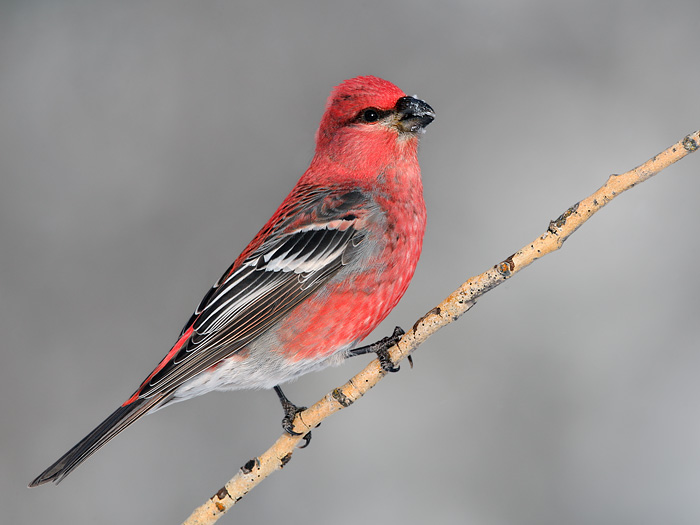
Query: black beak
(415, 114)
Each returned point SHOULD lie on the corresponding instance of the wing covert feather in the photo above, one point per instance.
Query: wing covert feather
(251, 297)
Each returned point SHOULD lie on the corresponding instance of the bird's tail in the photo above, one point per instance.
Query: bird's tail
(120, 419)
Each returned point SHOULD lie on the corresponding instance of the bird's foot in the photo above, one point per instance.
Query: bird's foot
(381, 348)
(290, 413)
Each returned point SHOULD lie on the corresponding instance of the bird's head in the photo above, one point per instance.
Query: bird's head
(366, 107)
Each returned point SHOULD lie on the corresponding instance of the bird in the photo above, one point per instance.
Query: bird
(321, 274)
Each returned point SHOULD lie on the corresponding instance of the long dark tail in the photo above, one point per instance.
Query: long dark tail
(110, 427)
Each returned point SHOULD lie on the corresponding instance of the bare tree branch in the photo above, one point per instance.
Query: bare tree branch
(461, 300)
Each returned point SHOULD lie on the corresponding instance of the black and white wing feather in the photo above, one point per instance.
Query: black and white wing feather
(284, 270)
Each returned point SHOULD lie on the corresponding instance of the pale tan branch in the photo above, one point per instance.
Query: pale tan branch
(447, 311)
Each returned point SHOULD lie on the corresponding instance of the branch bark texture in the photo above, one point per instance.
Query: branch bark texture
(456, 304)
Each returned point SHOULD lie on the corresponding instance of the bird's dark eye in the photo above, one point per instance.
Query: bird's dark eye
(370, 115)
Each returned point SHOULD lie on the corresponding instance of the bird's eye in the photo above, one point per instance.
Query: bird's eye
(370, 115)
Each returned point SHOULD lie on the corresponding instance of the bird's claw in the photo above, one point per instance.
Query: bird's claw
(393, 338)
(290, 413)
(381, 348)
(385, 361)
(307, 440)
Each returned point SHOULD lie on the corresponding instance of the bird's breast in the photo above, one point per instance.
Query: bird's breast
(364, 291)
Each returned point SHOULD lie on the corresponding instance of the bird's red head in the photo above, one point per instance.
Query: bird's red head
(369, 103)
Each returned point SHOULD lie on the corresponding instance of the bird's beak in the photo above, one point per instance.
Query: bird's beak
(413, 114)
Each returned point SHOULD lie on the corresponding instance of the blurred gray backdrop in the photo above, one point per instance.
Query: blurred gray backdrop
(142, 145)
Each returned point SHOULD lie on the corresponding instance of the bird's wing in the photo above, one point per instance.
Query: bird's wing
(296, 254)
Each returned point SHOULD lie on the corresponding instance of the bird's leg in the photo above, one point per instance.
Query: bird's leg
(290, 412)
(381, 348)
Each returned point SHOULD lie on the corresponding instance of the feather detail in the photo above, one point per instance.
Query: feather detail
(252, 296)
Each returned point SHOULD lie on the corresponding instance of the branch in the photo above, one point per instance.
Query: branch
(461, 300)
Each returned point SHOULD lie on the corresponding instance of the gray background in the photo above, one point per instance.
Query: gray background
(142, 145)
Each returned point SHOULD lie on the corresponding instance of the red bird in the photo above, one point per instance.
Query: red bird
(325, 270)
